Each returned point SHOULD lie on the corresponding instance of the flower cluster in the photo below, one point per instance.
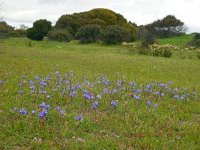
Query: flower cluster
(99, 93)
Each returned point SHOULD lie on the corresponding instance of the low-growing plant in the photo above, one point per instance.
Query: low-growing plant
(167, 53)
(29, 43)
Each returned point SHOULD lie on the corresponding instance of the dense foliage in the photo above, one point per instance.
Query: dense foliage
(99, 17)
(5, 29)
(195, 41)
(88, 33)
(39, 30)
(167, 27)
(60, 35)
(115, 34)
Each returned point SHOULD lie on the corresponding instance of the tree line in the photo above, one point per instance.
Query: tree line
(98, 25)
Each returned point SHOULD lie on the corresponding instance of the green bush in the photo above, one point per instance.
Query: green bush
(21, 32)
(195, 41)
(149, 39)
(115, 34)
(167, 53)
(60, 35)
(88, 33)
(5, 30)
(144, 51)
(157, 52)
(39, 30)
(198, 53)
(197, 36)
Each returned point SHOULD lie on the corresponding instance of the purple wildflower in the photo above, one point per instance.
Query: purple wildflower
(62, 112)
(157, 93)
(57, 108)
(23, 111)
(115, 91)
(43, 114)
(88, 96)
(155, 105)
(119, 83)
(33, 112)
(113, 103)
(95, 105)
(42, 105)
(136, 97)
(79, 118)
(98, 96)
(47, 106)
(105, 91)
(48, 96)
(20, 92)
(20, 85)
(170, 83)
(72, 94)
(148, 103)
(176, 97)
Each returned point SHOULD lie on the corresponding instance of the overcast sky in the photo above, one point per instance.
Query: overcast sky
(18, 12)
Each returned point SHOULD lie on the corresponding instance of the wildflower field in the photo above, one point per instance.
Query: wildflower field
(71, 96)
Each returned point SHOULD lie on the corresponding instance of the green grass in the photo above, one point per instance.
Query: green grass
(174, 125)
(179, 41)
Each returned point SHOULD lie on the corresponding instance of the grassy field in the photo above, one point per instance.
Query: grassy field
(92, 103)
(180, 41)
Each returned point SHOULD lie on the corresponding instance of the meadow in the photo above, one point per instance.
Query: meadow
(57, 95)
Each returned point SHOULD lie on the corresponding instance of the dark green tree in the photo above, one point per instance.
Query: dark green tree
(5, 30)
(101, 17)
(39, 30)
(167, 27)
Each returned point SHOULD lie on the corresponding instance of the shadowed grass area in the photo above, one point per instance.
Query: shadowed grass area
(132, 124)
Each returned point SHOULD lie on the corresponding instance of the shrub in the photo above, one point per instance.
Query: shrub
(21, 32)
(148, 40)
(195, 41)
(197, 36)
(60, 35)
(115, 34)
(198, 53)
(5, 30)
(88, 33)
(144, 51)
(157, 52)
(167, 53)
(39, 30)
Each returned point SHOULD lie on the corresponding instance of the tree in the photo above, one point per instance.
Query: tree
(88, 33)
(167, 27)
(101, 17)
(39, 30)
(115, 34)
(5, 29)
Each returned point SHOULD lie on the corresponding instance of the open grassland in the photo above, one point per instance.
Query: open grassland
(179, 41)
(159, 109)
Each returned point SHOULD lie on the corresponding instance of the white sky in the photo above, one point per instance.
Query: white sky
(139, 11)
